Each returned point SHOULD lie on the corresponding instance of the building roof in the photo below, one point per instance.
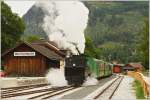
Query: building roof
(46, 52)
(127, 68)
(135, 65)
(41, 49)
(43, 41)
(50, 45)
(121, 65)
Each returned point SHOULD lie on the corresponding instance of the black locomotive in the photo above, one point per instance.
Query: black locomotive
(75, 69)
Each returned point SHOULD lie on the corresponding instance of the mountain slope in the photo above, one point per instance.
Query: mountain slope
(33, 21)
(110, 21)
(115, 28)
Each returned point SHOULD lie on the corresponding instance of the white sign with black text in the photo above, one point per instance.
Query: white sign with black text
(24, 53)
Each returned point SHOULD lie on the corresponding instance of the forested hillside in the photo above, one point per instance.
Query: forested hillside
(115, 28)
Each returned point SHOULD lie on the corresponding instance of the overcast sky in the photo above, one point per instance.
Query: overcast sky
(20, 7)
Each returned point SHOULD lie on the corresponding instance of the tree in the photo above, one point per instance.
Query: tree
(31, 38)
(143, 47)
(12, 27)
(90, 48)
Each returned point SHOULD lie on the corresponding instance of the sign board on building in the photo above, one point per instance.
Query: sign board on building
(24, 53)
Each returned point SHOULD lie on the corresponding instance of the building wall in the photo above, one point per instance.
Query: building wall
(117, 69)
(25, 66)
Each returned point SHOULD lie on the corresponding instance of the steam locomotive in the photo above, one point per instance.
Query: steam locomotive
(78, 67)
(75, 70)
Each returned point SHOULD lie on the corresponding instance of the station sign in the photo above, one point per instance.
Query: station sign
(24, 53)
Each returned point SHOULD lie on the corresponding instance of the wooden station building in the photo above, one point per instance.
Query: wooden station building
(32, 59)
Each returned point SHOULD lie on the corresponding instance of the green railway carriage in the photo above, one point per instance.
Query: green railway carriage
(98, 68)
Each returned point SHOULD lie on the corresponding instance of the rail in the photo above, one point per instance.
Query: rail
(109, 91)
(38, 91)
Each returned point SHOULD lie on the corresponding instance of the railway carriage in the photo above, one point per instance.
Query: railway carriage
(99, 68)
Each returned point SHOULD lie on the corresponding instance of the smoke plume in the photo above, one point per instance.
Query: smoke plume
(65, 22)
(90, 81)
(56, 77)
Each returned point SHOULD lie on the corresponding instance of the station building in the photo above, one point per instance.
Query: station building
(32, 59)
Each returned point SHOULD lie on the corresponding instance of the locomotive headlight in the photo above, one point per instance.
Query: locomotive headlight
(74, 65)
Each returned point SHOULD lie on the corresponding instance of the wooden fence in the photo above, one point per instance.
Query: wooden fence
(140, 77)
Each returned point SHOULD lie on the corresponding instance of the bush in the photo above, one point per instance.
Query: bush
(138, 90)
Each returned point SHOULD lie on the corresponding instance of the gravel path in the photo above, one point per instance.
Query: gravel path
(125, 90)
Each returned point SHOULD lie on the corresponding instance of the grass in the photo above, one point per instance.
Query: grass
(138, 90)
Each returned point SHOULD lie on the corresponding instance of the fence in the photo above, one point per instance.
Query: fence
(140, 77)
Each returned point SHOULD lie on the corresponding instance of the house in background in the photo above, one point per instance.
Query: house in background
(133, 67)
(32, 59)
(117, 68)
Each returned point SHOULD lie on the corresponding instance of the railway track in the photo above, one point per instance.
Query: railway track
(45, 91)
(108, 92)
(20, 88)
(42, 91)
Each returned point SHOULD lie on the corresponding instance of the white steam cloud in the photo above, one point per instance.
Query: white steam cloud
(65, 22)
(90, 81)
(56, 77)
